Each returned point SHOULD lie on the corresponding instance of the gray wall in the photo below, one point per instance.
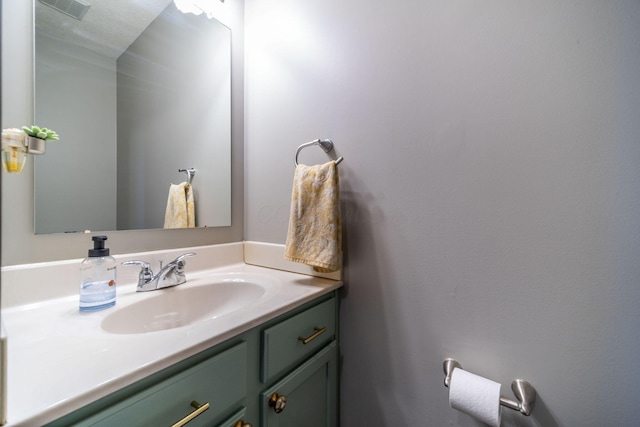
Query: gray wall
(19, 244)
(490, 188)
(66, 101)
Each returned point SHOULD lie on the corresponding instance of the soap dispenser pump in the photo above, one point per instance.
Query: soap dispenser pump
(98, 278)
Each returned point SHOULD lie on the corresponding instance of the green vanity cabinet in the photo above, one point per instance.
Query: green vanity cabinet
(294, 356)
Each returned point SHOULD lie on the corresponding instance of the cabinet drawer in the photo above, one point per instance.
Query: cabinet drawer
(220, 381)
(283, 345)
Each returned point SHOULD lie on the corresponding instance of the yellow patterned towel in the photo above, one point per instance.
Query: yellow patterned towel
(180, 211)
(315, 230)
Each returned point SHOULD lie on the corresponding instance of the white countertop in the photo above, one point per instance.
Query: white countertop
(60, 360)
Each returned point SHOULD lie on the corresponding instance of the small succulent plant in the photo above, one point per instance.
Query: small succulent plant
(41, 133)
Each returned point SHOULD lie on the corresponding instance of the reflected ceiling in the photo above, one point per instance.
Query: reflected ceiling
(96, 30)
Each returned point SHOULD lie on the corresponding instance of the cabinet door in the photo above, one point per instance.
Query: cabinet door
(311, 393)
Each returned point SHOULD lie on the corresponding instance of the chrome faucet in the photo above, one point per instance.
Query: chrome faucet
(171, 274)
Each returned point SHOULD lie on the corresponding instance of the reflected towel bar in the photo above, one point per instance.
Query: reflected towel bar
(325, 144)
(524, 392)
(191, 172)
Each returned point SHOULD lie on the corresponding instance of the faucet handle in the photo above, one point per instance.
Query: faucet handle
(183, 256)
(180, 263)
(145, 265)
(145, 273)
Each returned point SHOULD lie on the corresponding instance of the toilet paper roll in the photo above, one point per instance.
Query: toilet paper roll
(476, 396)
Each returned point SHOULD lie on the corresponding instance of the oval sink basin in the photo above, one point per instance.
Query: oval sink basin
(177, 307)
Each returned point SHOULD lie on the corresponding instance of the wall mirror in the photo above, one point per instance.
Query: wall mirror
(136, 90)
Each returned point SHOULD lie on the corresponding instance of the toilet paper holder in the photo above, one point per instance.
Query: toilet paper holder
(524, 392)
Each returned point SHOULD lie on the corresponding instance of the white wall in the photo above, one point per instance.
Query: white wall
(19, 244)
(491, 193)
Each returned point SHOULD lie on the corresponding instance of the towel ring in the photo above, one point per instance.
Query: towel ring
(191, 172)
(325, 144)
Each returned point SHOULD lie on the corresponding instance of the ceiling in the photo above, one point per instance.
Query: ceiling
(109, 26)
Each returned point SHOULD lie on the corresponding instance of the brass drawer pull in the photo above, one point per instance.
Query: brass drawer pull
(199, 410)
(277, 402)
(241, 423)
(319, 331)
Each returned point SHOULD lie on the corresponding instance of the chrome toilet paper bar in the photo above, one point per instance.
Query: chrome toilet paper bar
(524, 392)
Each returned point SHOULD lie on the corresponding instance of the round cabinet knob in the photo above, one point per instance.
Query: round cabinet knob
(241, 423)
(277, 402)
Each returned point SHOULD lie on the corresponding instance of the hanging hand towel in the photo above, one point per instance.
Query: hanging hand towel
(180, 211)
(315, 231)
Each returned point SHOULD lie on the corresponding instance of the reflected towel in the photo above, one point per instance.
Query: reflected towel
(315, 230)
(180, 211)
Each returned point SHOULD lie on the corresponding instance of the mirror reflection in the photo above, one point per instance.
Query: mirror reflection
(136, 91)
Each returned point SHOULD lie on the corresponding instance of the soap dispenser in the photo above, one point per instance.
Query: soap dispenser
(98, 278)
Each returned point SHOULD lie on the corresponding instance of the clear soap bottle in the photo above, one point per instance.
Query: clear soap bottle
(98, 278)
